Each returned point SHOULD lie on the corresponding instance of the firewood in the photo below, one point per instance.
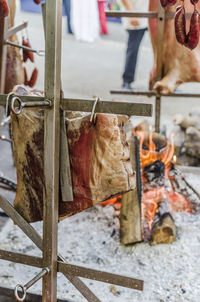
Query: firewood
(130, 215)
(159, 141)
(130, 219)
(163, 229)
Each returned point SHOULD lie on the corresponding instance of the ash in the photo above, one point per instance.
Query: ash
(91, 238)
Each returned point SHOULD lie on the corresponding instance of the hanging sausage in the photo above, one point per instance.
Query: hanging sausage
(4, 10)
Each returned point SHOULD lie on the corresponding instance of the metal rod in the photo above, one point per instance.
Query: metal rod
(150, 93)
(21, 258)
(29, 284)
(38, 52)
(100, 276)
(159, 63)
(17, 105)
(157, 113)
(9, 183)
(3, 52)
(114, 107)
(15, 29)
(149, 15)
(130, 14)
(52, 146)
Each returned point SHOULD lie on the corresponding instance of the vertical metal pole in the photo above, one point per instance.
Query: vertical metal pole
(159, 72)
(3, 52)
(157, 113)
(52, 146)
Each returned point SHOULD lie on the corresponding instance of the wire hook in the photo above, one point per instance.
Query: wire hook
(93, 109)
(8, 100)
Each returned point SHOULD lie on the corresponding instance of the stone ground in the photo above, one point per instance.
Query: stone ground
(94, 69)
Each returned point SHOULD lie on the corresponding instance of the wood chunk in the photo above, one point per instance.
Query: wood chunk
(164, 229)
(130, 219)
(159, 141)
(130, 215)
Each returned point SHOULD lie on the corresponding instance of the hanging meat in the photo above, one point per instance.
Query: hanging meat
(180, 64)
(164, 3)
(99, 156)
(4, 10)
(27, 54)
(14, 68)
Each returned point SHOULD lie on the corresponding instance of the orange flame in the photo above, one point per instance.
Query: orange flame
(151, 155)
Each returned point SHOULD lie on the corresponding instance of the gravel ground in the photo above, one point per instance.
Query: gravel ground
(91, 238)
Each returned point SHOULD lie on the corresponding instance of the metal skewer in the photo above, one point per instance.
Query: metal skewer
(17, 105)
(25, 287)
(38, 52)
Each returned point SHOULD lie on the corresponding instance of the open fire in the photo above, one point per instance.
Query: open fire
(165, 190)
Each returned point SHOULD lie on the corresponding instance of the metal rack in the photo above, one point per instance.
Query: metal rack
(51, 262)
(161, 15)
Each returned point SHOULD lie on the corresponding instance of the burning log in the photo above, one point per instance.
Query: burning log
(163, 228)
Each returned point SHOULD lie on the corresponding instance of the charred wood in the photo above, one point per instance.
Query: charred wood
(163, 229)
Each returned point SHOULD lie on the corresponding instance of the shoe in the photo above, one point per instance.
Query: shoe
(127, 86)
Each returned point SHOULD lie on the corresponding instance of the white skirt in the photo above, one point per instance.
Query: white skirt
(85, 20)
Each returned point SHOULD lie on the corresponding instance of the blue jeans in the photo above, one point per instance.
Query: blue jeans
(134, 40)
(67, 6)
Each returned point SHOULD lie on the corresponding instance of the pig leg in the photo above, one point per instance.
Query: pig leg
(169, 83)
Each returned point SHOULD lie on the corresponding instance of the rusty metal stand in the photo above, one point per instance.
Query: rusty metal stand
(53, 103)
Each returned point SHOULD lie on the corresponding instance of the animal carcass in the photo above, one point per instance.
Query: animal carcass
(180, 64)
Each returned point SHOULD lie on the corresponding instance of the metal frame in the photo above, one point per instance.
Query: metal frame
(51, 261)
(161, 15)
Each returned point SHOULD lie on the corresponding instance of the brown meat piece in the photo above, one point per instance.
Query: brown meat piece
(14, 68)
(99, 158)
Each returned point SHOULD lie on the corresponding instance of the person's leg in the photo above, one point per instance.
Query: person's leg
(67, 5)
(134, 40)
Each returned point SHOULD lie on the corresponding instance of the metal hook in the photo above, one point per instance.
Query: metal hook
(9, 97)
(17, 105)
(23, 288)
(93, 109)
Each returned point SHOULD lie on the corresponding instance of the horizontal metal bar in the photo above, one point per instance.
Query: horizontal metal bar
(38, 52)
(13, 30)
(150, 93)
(100, 276)
(133, 14)
(114, 107)
(6, 293)
(119, 14)
(21, 258)
(28, 98)
(86, 105)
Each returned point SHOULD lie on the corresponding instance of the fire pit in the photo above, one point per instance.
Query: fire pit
(165, 189)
